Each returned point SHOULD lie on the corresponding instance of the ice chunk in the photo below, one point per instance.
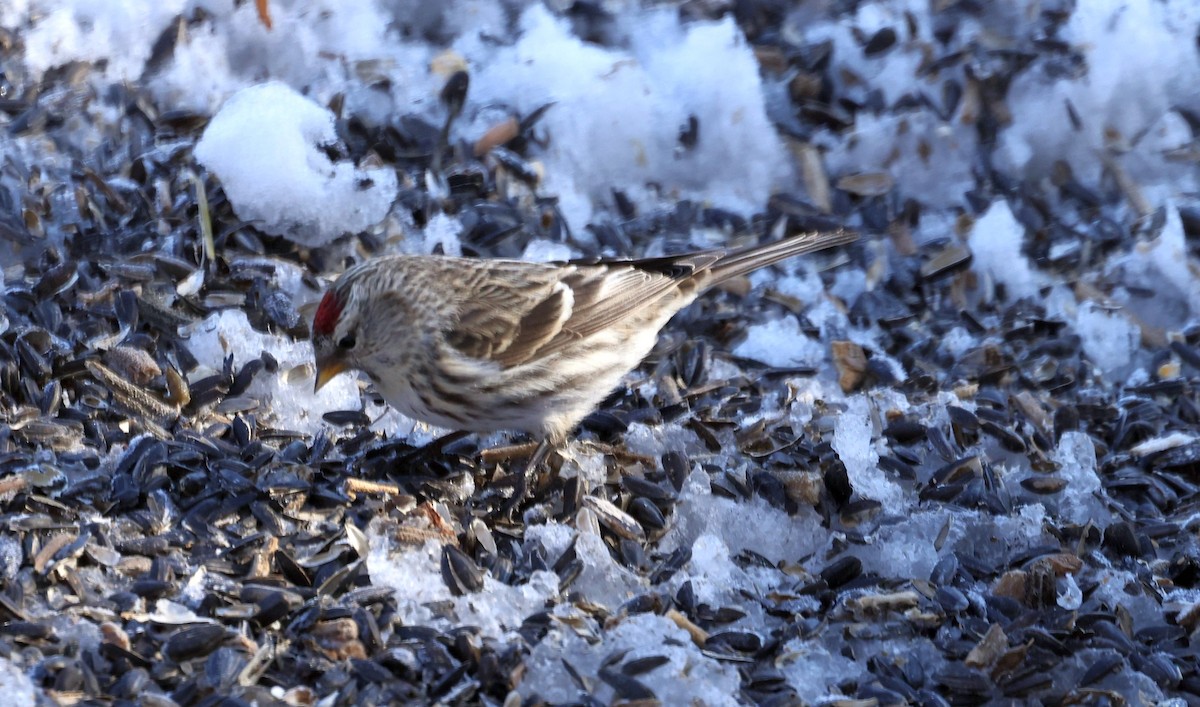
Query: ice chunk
(780, 343)
(1110, 587)
(710, 560)
(620, 112)
(853, 433)
(1076, 457)
(1071, 597)
(928, 156)
(929, 159)
(890, 72)
(586, 463)
(814, 672)
(264, 145)
(719, 578)
(602, 581)
(774, 534)
(651, 440)
(122, 32)
(325, 46)
(958, 341)
(804, 284)
(848, 284)
(996, 243)
(1169, 255)
(1027, 524)
(415, 573)
(14, 13)
(1163, 267)
(540, 250)
(687, 678)
(905, 546)
(199, 77)
(16, 686)
(715, 577)
(905, 550)
(1109, 339)
(807, 287)
(1121, 44)
(11, 557)
(443, 231)
(986, 537)
(436, 19)
(1182, 603)
(554, 537)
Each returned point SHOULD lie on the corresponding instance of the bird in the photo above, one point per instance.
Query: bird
(486, 345)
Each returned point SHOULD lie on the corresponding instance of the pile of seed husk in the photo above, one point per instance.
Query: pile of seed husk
(165, 542)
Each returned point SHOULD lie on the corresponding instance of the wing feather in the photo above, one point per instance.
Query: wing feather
(540, 325)
(517, 314)
(512, 313)
(496, 309)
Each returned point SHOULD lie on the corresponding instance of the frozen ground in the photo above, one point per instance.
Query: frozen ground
(1025, 180)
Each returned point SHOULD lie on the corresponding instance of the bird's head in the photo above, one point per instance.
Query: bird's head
(336, 337)
(370, 321)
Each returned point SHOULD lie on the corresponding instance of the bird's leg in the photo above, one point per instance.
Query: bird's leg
(521, 476)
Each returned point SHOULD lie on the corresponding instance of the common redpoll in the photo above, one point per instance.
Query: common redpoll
(487, 345)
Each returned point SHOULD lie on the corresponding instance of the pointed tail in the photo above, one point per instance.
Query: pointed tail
(741, 262)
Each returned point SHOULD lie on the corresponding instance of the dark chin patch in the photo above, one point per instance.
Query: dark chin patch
(327, 315)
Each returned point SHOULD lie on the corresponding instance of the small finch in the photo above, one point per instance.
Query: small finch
(488, 345)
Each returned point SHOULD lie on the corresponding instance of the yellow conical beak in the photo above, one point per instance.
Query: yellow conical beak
(326, 371)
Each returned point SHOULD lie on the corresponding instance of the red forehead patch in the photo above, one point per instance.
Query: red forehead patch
(327, 314)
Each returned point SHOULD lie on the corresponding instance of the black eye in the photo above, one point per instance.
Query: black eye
(346, 342)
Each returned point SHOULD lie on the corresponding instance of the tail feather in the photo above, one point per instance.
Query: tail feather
(741, 262)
